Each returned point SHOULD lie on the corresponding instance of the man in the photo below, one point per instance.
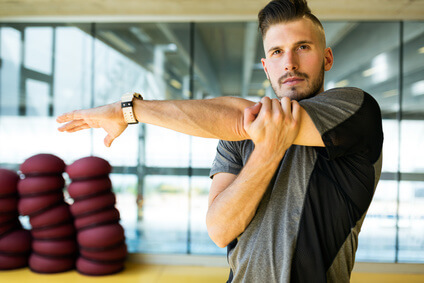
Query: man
(293, 178)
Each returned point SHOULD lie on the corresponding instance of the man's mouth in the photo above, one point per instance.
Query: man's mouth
(292, 81)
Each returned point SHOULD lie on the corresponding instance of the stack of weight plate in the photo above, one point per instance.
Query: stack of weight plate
(100, 237)
(54, 247)
(15, 242)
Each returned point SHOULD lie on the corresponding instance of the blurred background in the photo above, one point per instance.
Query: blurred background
(51, 65)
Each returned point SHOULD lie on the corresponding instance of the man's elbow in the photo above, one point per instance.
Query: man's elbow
(218, 238)
(218, 234)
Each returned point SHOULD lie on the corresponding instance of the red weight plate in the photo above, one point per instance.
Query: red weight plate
(65, 230)
(89, 187)
(35, 185)
(9, 182)
(8, 262)
(89, 267)
(43, 164)
(105, 216)
(55, 215)
(8, 204)
(17, 241)
(10, 226)
(67, 247)
(42, 264)
(88, 167)
(35, 204)
(115, 254)
(101, 237)
(8, 217)
(89, 205)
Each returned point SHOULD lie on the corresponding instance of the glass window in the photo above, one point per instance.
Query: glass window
(161, 177)
(412, 159)
(411, 222)
(72, 69)
(200, 242)
(227, 61)
(153, 59)
(125, 187)
(27, 104)
(411, 188)
(377, 240)
(10, 69)
(166, 148)
(38, 99)
(203, 152)
(38, 49)
(163, 215)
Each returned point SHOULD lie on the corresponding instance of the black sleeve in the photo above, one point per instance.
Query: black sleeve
(349, 121)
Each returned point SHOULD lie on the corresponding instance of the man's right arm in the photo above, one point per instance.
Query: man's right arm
(233, 200)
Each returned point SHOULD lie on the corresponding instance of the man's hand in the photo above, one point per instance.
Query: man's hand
(109, 117)
(273, 125)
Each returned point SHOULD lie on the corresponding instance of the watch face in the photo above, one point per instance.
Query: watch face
(137, 95)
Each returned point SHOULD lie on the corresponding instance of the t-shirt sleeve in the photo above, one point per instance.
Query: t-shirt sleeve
(228, 159)
(349, 121)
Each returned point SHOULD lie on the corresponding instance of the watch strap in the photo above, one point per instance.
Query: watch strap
(127, 106)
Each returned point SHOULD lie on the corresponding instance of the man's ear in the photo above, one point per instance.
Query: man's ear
(263, 60)
(328, 59)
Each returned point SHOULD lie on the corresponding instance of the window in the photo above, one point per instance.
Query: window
(161, 177)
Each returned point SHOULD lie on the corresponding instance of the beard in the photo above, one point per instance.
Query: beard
(312, 89)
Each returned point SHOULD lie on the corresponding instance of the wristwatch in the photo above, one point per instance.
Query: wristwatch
(127, 106)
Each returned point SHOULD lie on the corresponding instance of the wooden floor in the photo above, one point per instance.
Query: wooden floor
(173, 274)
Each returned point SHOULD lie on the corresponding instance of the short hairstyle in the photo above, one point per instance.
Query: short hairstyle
(281, 11)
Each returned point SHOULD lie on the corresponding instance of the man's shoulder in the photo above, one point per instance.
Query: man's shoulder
(343, 95)
(344, 91)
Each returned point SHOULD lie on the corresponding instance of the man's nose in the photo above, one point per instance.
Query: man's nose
(291, 62)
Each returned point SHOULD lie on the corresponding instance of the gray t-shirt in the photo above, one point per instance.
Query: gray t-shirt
(307, 223)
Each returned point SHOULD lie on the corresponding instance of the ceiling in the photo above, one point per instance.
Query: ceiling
(195, 10)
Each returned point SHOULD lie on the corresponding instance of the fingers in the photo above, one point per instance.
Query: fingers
(277, 112)
(79, 128)
(74, 115)
(250, 113)
(295, 110)
(286, 107)
(266, 106)
(73, 126)
(255, 108)
(263, 110)
(108, 140)
(63, 118)
(100, 117)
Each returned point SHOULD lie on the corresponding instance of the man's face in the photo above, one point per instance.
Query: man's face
(296, 59)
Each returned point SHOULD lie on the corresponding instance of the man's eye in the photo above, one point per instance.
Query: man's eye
(303, 47)
(276, 52)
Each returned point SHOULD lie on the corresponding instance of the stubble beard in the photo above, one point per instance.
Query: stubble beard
(293, 93)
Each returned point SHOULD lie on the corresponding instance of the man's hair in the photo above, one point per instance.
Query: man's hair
(281, 11)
